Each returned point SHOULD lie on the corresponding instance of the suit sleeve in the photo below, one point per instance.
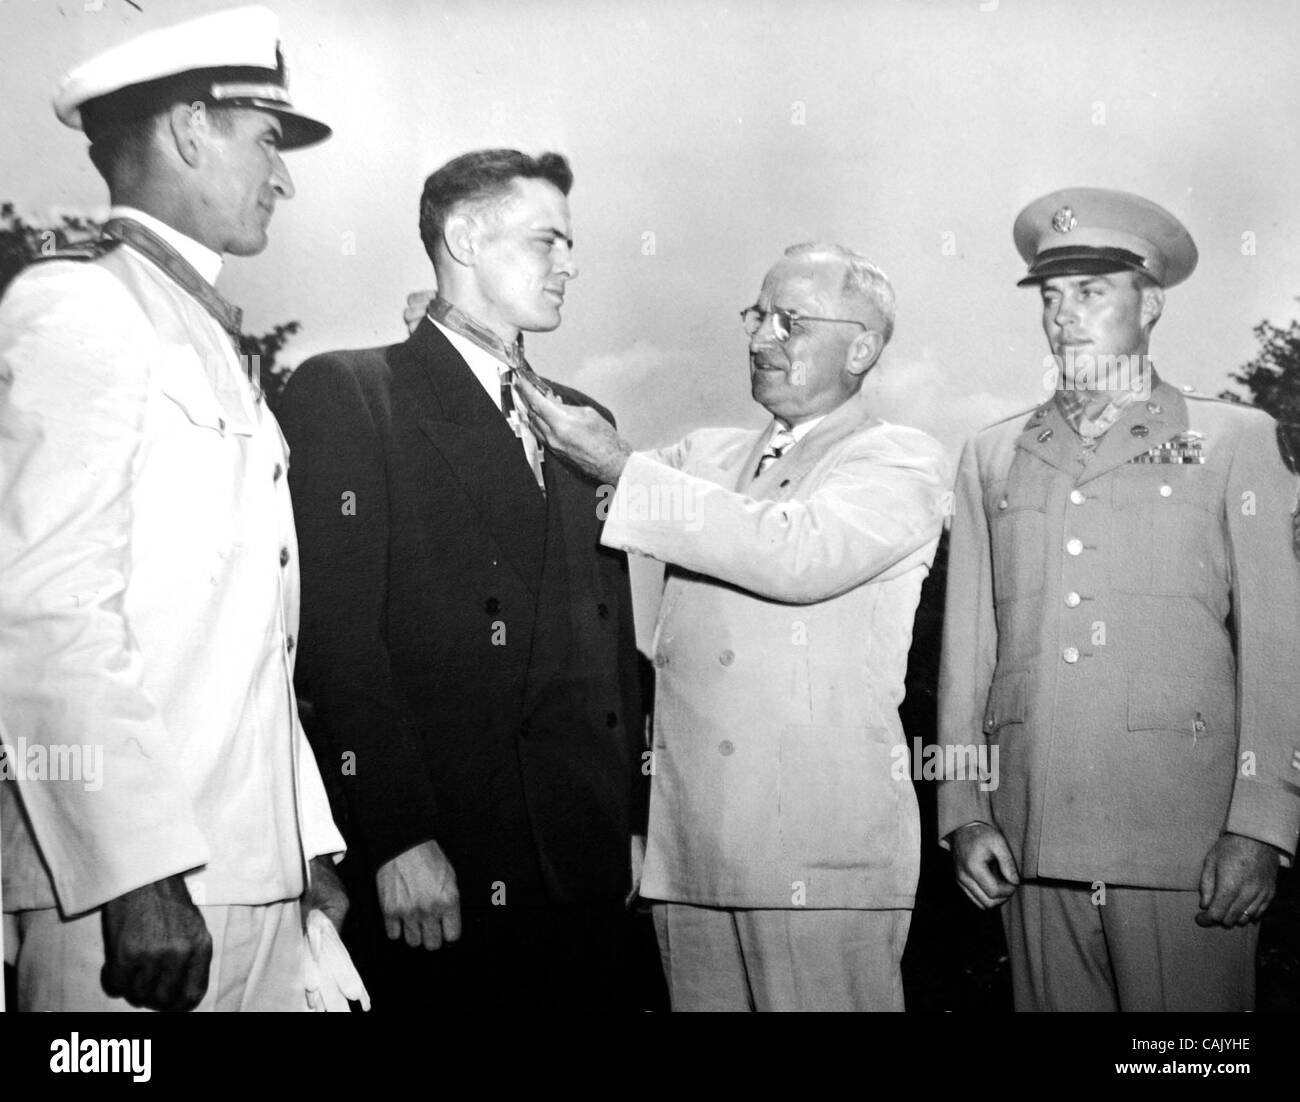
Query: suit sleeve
(969, 650)
(75, 362)
(1260, 498)
(878, 506)
(337, 476)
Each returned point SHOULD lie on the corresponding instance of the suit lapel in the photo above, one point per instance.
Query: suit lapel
(798, 460)
(1048, 436)
(461, 422)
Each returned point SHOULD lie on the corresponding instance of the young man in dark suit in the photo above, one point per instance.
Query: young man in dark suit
(467, 646)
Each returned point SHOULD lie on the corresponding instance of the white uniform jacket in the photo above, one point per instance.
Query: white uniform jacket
(148, 602)
(780, 776)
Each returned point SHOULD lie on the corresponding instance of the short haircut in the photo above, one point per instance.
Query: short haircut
(484, 176)
(129, 141)
(861, 279)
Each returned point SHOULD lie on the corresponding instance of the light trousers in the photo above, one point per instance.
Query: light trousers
(720, 958)
(258, 960)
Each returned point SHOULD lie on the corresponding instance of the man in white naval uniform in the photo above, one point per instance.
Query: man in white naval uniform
(148, 573)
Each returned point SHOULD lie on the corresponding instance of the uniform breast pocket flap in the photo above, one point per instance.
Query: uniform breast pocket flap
(182, 379)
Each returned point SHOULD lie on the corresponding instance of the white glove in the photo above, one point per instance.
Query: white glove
(332, 978)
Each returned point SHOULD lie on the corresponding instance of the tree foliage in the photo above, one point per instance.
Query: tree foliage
(1272, 378)
(22, 242)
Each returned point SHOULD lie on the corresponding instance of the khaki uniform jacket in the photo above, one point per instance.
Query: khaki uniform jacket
(780, 649)
(1126, 633)
(148, 601)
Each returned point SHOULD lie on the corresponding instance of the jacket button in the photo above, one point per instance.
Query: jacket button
(1072, 600)
(1044, 436)
(221, 423)
(491, 606)
(1074, 547)
(990, 723)
(288, 644)
(1139, 430)
(1002, 504)
(284, 556)
(1166, 491)
(727, 657)
(726, 748)
(1077, 497)
(611, 719)
(1070, 654)
(661, 660)
(602, 610)
(275, 475)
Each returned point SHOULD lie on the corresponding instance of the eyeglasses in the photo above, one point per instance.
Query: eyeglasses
(782, 321)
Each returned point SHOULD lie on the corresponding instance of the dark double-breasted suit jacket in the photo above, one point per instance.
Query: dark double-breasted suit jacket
(467, 647)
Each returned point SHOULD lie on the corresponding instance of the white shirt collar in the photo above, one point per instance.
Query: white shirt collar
(803, 429)
(202, 259)
(485, 366)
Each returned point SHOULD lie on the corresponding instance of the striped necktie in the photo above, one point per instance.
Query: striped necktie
(782, 440)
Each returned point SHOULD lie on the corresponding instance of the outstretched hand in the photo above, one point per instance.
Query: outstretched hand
(578, 433)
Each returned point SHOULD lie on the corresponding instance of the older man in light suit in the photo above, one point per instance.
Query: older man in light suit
(783, 845)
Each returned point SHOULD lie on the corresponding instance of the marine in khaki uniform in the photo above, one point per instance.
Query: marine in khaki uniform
(1123, 623)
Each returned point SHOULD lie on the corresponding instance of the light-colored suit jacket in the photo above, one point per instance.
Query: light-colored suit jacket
(780, 650)
(148, 602)
(1126, 632)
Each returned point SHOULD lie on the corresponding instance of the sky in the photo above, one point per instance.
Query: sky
(705, 137)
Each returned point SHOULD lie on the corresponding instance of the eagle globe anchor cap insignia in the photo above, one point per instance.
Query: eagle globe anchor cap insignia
(1063, 221)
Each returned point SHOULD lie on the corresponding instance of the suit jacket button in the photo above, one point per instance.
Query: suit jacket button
(491, 606)
(726, 748)
(284, 556)
(1166, 491)
(288, 644)
(1077, 497)
(1074, 547)
(727, 657)
(602, 610)
(1070, 654)
(611, 719)
(275, 475)
(661, 660)
(1072, 600)
(1139, 430)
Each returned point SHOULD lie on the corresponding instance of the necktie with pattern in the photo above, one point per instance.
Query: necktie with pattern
(781, 441)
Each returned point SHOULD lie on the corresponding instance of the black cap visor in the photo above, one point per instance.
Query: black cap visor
(1081, 260)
